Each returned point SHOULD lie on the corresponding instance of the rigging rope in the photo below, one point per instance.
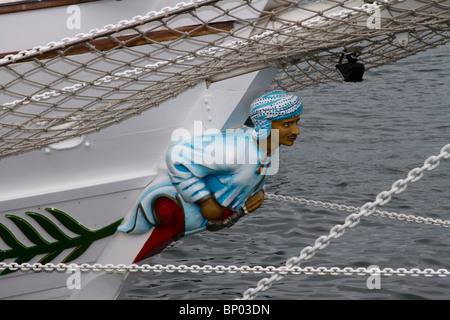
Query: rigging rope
(76, 95)
(82, 84)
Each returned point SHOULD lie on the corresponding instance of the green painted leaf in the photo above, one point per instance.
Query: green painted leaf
(77, 252)
(50, 249)
(24, 259)
(28, 230)
(9, 239)
(49, 257)
(68, 221)
(48, 225)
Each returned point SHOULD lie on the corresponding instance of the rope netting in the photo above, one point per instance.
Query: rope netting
(83, 84)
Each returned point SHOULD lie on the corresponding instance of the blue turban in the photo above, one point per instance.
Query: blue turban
(274, 105)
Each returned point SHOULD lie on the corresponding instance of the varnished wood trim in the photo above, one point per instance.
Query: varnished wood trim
(36, 4)
(136, 39)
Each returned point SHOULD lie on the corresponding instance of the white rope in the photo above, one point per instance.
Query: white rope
(106, 30)
(153, 15)
(145, 268)
(352, 220)
(99, 78)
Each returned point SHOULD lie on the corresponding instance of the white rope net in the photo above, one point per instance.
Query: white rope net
(83, 84)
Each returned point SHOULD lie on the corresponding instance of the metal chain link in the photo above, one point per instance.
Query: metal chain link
(352, 209)
(291, 264)
(121, 268)
(352, 220)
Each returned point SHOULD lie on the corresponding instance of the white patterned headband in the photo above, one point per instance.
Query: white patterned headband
(274, 105)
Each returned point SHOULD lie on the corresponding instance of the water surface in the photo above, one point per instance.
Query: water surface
(356, 140)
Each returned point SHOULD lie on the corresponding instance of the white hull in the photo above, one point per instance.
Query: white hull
(97, 178)
(98, 181)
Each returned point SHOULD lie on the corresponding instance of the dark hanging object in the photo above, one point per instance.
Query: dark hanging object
(249, 123)
(352, 71)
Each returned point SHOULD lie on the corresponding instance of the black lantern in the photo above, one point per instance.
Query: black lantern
(352, 70)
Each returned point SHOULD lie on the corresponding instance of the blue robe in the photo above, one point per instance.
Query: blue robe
(228, 166)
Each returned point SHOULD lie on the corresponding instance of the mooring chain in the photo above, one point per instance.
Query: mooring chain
(277, 273)
(353, 209)
(352, 220)
(158, 268)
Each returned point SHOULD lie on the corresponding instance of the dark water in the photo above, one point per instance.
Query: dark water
(356, 140)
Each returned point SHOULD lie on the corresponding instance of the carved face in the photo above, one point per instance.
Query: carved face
(287, 130)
